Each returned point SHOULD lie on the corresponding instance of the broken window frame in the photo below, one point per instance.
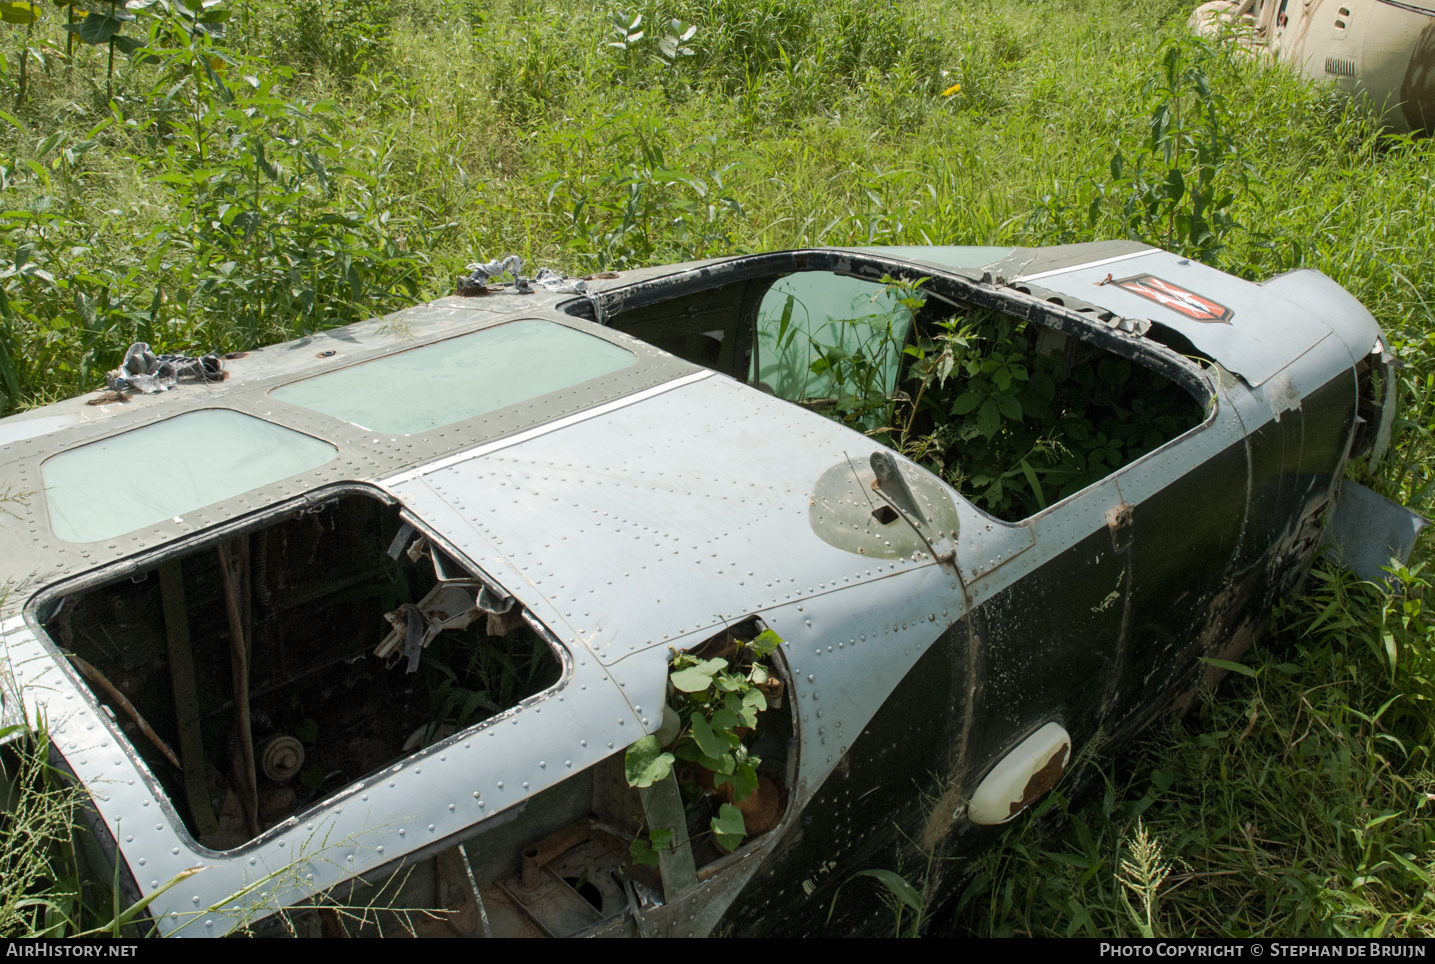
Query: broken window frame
(682, 880)
(45, 605)
(1139, 341)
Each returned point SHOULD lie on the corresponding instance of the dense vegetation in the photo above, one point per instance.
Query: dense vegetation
(220, 175)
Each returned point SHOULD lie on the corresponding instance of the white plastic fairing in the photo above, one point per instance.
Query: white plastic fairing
(1022, 776)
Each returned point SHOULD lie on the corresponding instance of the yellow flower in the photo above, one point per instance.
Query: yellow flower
(954, 89)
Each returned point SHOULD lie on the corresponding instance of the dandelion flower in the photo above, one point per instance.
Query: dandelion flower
(954, 89)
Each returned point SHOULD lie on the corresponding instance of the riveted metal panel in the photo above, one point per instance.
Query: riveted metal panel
(37, 558)
(1265, 331)
(658, 519)
(453, 785)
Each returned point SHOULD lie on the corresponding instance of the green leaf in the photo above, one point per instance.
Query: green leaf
(743, 779)
(1010, 407)
(719, 764)
(21, 13)
(728, 683)
(989, 419)
(896, 885)
(695, 679)
(96, 30)
(765, 643)
(1175, 185)
(1228, 665)
(729, 827)
(1035, 484)
(643, 853)
(967, 403)
(753, 703)
(644, 850)
(49, 144)
(726, 718)
(645, 763)
(709, 741)
(134, 910)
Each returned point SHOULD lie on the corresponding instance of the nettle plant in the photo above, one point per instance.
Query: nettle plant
(711, 713)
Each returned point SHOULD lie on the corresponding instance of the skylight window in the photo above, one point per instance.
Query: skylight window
(166, 469)
(458, 379)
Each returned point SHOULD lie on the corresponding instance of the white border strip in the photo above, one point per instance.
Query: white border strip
(544, 429)
(1089, 264)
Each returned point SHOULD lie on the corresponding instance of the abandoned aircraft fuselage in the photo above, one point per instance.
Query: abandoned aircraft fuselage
(1380, 50)
(586, 479)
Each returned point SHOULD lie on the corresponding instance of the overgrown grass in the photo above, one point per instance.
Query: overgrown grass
(39, 887)
(323, 162)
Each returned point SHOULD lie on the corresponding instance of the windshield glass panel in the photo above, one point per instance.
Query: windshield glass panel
(462, 378)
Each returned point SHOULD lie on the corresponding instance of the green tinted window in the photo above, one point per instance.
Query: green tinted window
(106, 489)
(462, 378)
(819, 334)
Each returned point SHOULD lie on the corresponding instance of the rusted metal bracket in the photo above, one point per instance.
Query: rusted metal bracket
(1118, 523)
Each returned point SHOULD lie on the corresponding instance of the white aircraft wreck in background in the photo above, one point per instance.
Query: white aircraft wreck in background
(1380, 50)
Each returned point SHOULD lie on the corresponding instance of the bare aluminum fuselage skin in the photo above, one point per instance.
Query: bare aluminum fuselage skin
(643, 514)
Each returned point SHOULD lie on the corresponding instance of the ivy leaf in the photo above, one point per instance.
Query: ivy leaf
(727, 718)
(765, 643)
(743, 779)
(713, 744)
(719, 765)
(644, 850)
(695, 679)
(753, 702)
(645, 762)
(728, 683)
(729, 827)
(643, 853)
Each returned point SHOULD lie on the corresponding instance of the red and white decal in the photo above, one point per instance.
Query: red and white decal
(1178, 299)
